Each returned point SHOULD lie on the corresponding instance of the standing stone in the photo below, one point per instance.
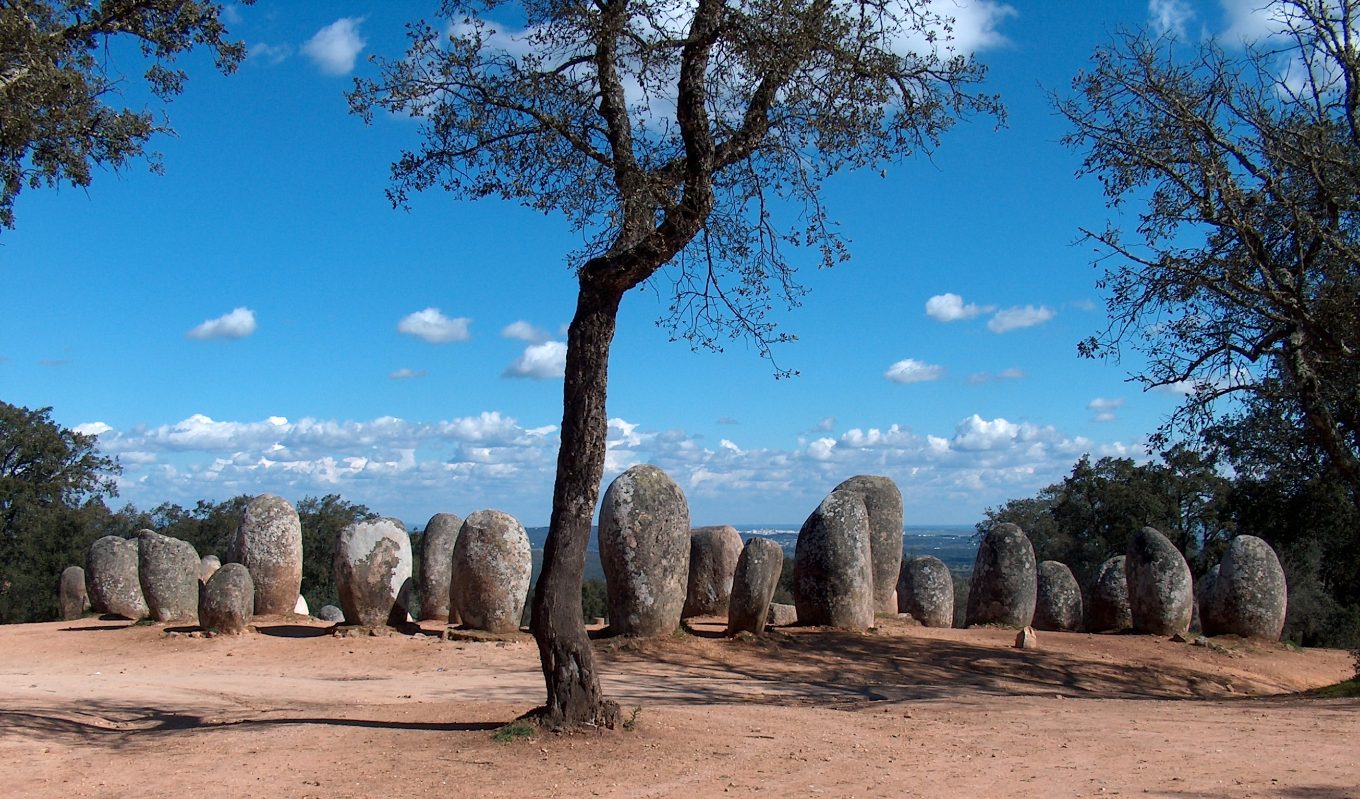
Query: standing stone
(269, 543)
(436, 563)
(489, 578)
(1110, 598)
(1004, 587)
(111, 578)
(833, 578)
(1057, 599)
(1204, 588)
(207, 565)
(300, 607)
(168, 571)
(713, 554)
(1250, 596)
(1161, 590)
(753, 585)
(330, 613)
(373, 572)
(925, 590)
(228, 600)
(71, 593)
(883, 503)
(644, 549)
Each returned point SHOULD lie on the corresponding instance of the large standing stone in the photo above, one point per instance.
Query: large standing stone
(1057, 604)
(1204, 588)
(373, 572)
(644, 549)
(111, 578)
(269, 543)
(168, 571)
(71, 593)
(833, 578)
(753, 585)
(1161, 590)
(1110, 598)
(207, 566)
(1250, 596)
(1004, 586)
(491, 565)
(883, 503)
(436, 564)
(228, 600)
(713, 554)
(925, 590)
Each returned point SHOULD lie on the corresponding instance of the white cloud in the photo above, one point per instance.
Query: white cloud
(727, 420)
(1251, 20)
(335, 46)
(978, 378)
(1105, 408)
(270, 53)
(825, 425)
(92, 428)
(406, 374)
(524, 331)
(1017, 317)
(432, 326)
(1013, 373)
(975, 23)
(1170, 16)
(1084, 305)
(911, 370)
(237, 324)
(540, 361)
(949, 307)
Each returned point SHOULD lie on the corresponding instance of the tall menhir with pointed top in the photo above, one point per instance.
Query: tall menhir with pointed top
(672, 134)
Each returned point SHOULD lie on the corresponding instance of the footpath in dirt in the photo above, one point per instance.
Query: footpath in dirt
(106, 709)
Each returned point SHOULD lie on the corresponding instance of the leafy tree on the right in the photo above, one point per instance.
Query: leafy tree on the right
(1241, 279)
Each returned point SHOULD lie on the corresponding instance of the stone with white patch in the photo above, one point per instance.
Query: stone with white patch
(373, 572)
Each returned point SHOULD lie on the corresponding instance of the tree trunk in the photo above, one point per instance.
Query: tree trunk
(574, 695)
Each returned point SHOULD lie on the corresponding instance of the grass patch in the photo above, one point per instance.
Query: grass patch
(1342, 690)
(513, 732)
(147, 622)
(631, 724)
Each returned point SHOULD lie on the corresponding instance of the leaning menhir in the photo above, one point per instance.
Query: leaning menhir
(713, 554)
(71, 593)
(1249, 597)
(1057, 605)
(111, 578)
(268, 541)
(228, 601)
(833, 578)
(925, 591)
(373, 572)
(644, 549)
(883, 503)
(168, 571)
(491, 565)
(753, 585)
(436, 563)
(1004, 585)
(1109, 610)
(1161, 591)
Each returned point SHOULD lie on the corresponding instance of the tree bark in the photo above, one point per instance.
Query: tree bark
(574, 694)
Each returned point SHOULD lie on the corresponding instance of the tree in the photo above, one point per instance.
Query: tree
(56, 79)
(670, 133)
(1242, 280)
(52, 481)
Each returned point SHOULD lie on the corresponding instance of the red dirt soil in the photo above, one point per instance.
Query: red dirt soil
(101, 708)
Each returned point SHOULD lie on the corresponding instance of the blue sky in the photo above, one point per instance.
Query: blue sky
(337, 374)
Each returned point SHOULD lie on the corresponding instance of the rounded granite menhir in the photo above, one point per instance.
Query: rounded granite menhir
(644, 549)
(111, 578)
(373, 572)
(713, 554)
(436, 564)
(833, 578)
(1004, 585)
(168, 570)
(883, 504)
(753, 586)
(1109, 610)
(1161, 590)
(1057, 606)
(71, 593)
(492, 563)
(268, 541)
(1250, 595)
(228, 600)
(925, 591)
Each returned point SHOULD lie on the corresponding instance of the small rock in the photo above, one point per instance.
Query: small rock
(330, 613)
(206, 566)
(781, 615)
(300, 607)
(1179, 638)
(1027, 639)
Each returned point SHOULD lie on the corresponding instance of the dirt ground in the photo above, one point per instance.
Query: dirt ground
(101, 708)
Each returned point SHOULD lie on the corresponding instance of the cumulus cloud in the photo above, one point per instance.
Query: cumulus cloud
(1170, 16)
(949, 307)
(433, 326)
(270, 54)
(825, 425)
(237, 324)
(1251, 20)
(540, 362)
(523, 331)
(911, 370)
(335, 47)
(406, 374)
(1017, 317)
(976, 23)
(1105, 408)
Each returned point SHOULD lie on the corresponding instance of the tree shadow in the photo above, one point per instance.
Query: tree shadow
(91, 628)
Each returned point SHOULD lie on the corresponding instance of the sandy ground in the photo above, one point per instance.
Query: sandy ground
(98, 708)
